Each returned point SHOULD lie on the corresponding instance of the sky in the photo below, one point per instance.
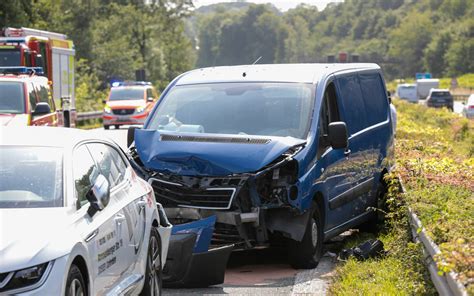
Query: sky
(283, 5)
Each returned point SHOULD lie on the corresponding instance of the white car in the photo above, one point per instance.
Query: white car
(468, 109)
(75, 219)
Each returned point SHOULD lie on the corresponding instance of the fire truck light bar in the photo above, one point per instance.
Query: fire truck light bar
(22, 70)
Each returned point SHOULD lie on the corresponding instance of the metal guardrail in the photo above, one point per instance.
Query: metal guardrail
(88, 115)
(462, 98)
(447, 283)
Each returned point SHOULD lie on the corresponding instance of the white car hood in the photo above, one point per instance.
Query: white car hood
(33, 236)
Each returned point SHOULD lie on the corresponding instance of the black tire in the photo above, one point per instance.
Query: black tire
(307, 253)
(75, 285)
(106, 127)
(117, 126)
(153, 278)
(372, 225)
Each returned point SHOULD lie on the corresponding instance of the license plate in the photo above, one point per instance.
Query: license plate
(122, 118)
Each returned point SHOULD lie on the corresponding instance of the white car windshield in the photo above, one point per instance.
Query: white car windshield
(267, 109)
(31, 177)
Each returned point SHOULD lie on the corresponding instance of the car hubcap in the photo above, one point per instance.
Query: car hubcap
(314, 233)
(76, 288)
(154, 265)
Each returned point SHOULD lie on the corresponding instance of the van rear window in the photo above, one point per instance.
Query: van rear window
(375, 98)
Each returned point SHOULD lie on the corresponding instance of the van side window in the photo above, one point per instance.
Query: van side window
(329, 113)
(32, 95)
(44, 95)
(149, 93)
(353, 104)
(376, 102)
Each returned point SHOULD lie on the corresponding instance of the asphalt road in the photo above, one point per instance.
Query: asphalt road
(259, 272)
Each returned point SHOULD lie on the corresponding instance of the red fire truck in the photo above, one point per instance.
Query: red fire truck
(51, 51)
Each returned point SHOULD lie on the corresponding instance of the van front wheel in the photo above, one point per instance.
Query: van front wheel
(307, 253)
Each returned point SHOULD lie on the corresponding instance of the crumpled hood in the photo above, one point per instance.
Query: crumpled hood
(126, 103)
(33, 236)
(202, 156)
(13, 119)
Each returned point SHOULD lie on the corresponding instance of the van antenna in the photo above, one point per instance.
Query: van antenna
(256, 61)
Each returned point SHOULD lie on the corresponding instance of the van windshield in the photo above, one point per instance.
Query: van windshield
(267, 109)
(11, 98)
(121, 94)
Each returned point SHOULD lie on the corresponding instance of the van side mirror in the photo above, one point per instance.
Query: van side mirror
(99, 195)
(42, 108)
(337, 134)
(131, 135)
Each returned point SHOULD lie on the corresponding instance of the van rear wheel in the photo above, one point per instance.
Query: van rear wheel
(307, 253)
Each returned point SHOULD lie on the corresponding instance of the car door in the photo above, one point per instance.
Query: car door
(100, 231)
(334, 163)
(363, 155)
(132, 230)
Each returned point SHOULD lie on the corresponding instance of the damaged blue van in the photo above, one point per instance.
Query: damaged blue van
(249, 156)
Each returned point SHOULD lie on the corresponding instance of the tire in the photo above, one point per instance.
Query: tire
(307, 253)
(117, 126)
(75, 285)
(372, 225)
(153, 278)
(106, 127)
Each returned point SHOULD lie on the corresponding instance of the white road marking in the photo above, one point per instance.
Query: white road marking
(314, 281)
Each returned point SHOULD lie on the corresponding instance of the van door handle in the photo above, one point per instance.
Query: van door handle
(347, 152)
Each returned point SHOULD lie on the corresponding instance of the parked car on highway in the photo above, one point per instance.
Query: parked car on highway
(439, 98)
(290, 153)
(25, 98)
(468, 109)
(76, 219)
(129, 103)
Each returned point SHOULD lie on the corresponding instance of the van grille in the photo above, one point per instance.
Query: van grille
(174, 194)
(123, 111)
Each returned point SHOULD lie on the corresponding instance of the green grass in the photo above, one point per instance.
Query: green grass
(435, 158)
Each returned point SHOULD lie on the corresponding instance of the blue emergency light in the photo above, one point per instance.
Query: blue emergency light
(129, 83)
(22, 70)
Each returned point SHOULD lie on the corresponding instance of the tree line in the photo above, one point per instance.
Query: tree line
(404, 36)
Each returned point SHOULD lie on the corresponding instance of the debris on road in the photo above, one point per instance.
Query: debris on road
(369, 249)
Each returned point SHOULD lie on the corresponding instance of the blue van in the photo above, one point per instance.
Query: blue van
(291, 153)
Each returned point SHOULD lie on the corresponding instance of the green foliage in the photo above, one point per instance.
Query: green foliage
(404, 37)
(112, 39)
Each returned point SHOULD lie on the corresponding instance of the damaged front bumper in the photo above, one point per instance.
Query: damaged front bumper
(190, 258)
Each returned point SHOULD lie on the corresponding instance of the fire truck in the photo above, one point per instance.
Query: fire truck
(51, 51)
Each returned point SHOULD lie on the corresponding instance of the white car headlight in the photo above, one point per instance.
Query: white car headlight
(27, 277)
(140, 109)
(107, 109)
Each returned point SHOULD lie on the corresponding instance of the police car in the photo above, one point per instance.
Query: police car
(75, 218)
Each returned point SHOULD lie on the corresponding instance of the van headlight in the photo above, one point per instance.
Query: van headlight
(107, 109)
(25, 277)
(140, 109)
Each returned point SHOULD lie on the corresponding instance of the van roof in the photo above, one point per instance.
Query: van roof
(298, 73)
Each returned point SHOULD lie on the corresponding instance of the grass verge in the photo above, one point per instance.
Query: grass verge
(435, 150)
